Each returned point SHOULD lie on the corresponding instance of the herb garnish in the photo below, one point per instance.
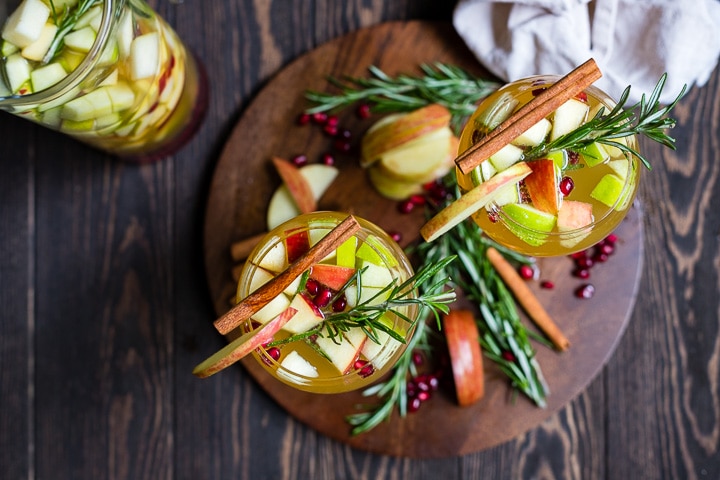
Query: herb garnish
(441, 83)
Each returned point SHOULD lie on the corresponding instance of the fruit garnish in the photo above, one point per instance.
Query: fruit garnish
(296, 184)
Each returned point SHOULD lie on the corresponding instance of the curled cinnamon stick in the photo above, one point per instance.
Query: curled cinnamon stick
(527, 299)
(260, 297)
(529, 114)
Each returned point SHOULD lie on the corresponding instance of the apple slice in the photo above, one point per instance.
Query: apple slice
(275, 258)
(37, 50)
(296, 244)
(243, 345)
(534, 135)
(345, 253)
(542, 185)
(568, 117)
(463, 341)
(295, 364)
(282, 207)
(608, 189)
(505, 157)
(400, 130)
(531, 225)
(332, 276)
(390, 187)
(296, 184)
(374, 275)
(594, 154)
(307, 316)
(574, 215)
(472, 201)
(341, 354)
(419, 159)
(25, 24)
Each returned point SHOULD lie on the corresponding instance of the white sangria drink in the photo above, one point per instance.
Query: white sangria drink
(110, 73)
(319, 349)
(572, 199)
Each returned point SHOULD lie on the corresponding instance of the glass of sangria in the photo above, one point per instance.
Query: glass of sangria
(573, 198)
(305, 354)
(110, 73)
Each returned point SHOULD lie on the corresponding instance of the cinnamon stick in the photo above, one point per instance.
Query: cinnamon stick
(241, 249)
(527, 299)
(529, 114)
(260, 297)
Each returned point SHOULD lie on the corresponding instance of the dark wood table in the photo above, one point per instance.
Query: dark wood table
(106, 308)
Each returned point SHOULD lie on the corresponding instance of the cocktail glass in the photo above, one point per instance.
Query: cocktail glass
(119, 79)
(314, 361)
(573, 199)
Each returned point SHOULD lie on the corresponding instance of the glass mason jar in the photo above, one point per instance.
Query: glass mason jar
(311, 360)
(576, 201)
(110, 73)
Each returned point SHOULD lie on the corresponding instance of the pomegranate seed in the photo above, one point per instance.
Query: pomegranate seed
(507, 355)
(365, 368)
(582, 96)
(423, 396)
(417, 358)
(345, 133)
(342, 145)
(320, 118)
(414, 405)
(600, 257)
(274, 353)
(585, 291)
(363, 111)
(583, 273)
(406, 206)
(607, 248)
(566, 186)
(585, 262)
(526, 272)
(612, 238)
(396, 236)
(330, 130)
(332, 120)
(299, 160)
(418, 200)
(339, 304)
(328, 159)
(573, 157)
(303, 119)
(322, 299)
(438, 191)
(547, 284)
(312, 287)
(423, 385)
(410, 389)
(434, 382)
(579, 255)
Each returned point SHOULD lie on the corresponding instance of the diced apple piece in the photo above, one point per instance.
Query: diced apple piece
(342, 354)
(296, 245)
(144, 56)
(389, 187)
(608, 189)
(298, 365)
(95, 104)
(379, 352)
(275, 258)
(542, 185)
(125, 33)
(110, 54)
(560, 157)
(47, 76)
(80, 40)
(70, 59)
(507, 194)
(88, 18)
(25, 24)
(463, 341)
(121, 96)
(111, 79)
(482, 172)
(472, 201)
(332, 276)
(242, 346)
(307, 316)
(372, 250)
(505, 157)
(568, 117)
(73, 126)
(620, 166)
(37, 50)
(61, 5)
(271, 309)
(4, 89)
(374, 275)
(17, 70)
(574, 215)
(356, 337)
(531, 225)
(8, 48)
(534, 135)
(261, 276)
(594, 154)
(614, 151)
(283, 208)
(107, 120)
(345, 253)
(367, 294)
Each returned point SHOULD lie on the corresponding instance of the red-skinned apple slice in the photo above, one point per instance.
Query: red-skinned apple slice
(342, 354)
(463, 341)
(297, 185)
(573, 215)
(332, 276)
(243, 345)
(296, 245)
(542, 185)
(400, 130)
(472, 201)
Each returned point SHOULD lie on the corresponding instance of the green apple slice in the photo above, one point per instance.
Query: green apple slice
(608, 189)
(560, 157)
(47, 76)
(505, 157)
(37, 50)
(25, 24)
(528, 223)
(80, 40)
(145, 56)
(594, 154)
(345, 253)
(17, 71)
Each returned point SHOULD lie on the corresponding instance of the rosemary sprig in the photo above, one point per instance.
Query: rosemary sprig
(646, 117)
(444, 84)
(65, 22)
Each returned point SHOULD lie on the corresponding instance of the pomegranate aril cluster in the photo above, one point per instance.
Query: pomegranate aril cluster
(420, 387)
(585, 260)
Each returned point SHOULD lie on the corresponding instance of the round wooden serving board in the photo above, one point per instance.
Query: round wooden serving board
(244, 181)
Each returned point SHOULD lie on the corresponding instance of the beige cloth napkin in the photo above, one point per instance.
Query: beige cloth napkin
(633, 41)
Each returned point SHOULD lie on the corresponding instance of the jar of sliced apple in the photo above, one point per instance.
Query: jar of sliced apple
(110, 73)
